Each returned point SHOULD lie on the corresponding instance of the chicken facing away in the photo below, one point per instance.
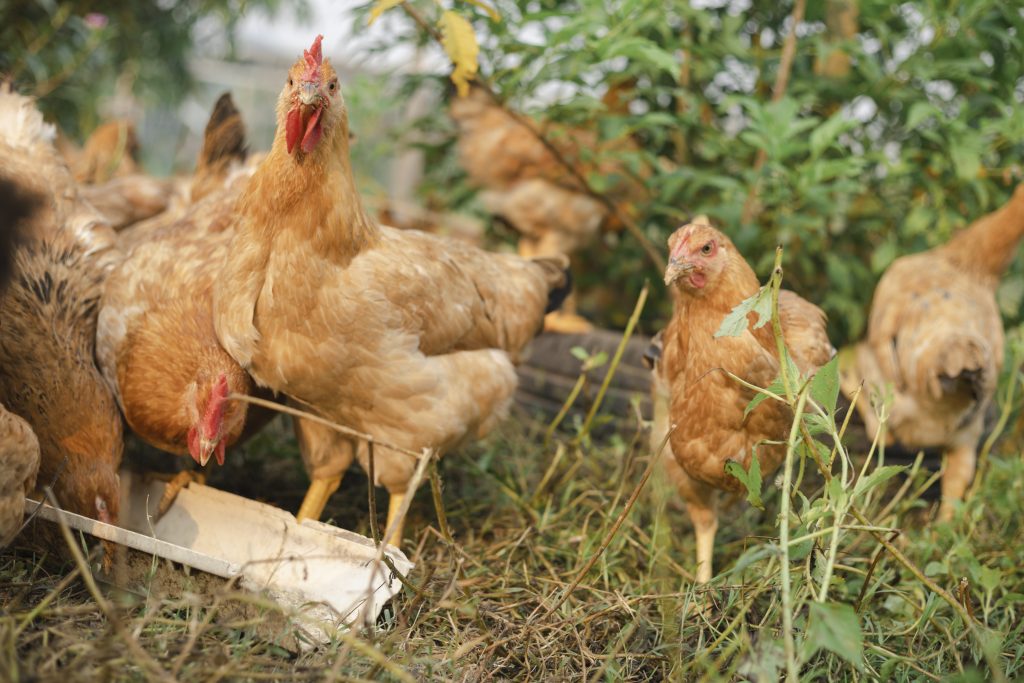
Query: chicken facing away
(935, 340)
(709, 278)
(526, 186)
(48, 374)
(403, 335)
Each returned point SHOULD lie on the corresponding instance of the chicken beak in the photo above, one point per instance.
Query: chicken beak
(206, 449)
(309, 93)
(677, 269)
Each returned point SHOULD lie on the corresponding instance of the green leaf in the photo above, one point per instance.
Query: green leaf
(734, 324)
(966, 156)
(775, 387)
(876, 478)
(579, 353)
(919, 113)
(751, 479)
(825, 385)
(835, 627)
(824, 135)
(645, 52)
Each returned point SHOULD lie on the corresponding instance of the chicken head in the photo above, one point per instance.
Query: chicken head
(698, 254)
(207, 435)
(311, 104)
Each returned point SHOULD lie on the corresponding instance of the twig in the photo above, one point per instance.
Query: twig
(312, 417)
(613, 366)
(371, 492)
(792, 670)
(778, 91)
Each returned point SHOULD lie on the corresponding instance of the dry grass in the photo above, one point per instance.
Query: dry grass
(524, 520)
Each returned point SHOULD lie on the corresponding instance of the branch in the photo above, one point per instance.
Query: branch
(778, 91)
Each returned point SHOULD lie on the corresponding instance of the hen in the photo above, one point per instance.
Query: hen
(174, 396)
(709, 278)
(404, 335)
(19, 448)
(935, 340)
(48, 374)
(526, 186)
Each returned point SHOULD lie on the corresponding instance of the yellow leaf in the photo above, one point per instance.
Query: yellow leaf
(492, 12)
(460, 43)
(381, 7)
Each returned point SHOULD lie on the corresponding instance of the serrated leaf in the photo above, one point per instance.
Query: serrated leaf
(459, 42)
(492, 12)
(876, 478)
(736, 322)
(381, 7)
(836, 628)
(825, 385)
(751, 479)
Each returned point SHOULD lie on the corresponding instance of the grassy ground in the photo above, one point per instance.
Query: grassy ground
(525, 520)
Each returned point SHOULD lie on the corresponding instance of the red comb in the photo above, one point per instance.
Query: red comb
(314, 57)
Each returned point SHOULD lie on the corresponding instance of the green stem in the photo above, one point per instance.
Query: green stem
(787, 480)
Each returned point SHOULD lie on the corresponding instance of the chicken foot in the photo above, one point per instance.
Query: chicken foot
(174, 486)
(960, 464)
(320, 490)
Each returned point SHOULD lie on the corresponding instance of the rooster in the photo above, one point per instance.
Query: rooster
(935, 340)
(709, 277)
(404, 335)
(48, 374)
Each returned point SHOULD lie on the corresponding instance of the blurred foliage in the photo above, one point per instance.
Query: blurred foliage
(71, 53)
(900, 124)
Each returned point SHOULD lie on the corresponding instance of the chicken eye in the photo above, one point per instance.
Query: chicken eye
(290, 82)
(332, 86)
(706, 249)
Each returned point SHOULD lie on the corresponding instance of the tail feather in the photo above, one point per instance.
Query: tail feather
(224, 139)
(960, 365)
(559, 279)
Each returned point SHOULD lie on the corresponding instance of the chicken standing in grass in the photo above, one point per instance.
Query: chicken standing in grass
(48, 374)
(707, 407)
(404, 335)
(935, 340)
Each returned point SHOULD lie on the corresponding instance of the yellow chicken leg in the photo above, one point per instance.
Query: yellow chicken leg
(320, 489)
(394, 506)
(174, 487)
(960, 464)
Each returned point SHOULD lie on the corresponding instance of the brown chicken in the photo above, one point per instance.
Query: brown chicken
(110, 151)
(404, 335)
(935, 341)
(48, 374)
(709, 278)
(19, 448)
(527, 187)
(174, 396)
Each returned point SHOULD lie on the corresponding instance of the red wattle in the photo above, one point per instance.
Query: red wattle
(293, 128)
(219, 452)
(313, 131)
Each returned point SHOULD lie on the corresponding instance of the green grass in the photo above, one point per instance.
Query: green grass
(481, 607)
